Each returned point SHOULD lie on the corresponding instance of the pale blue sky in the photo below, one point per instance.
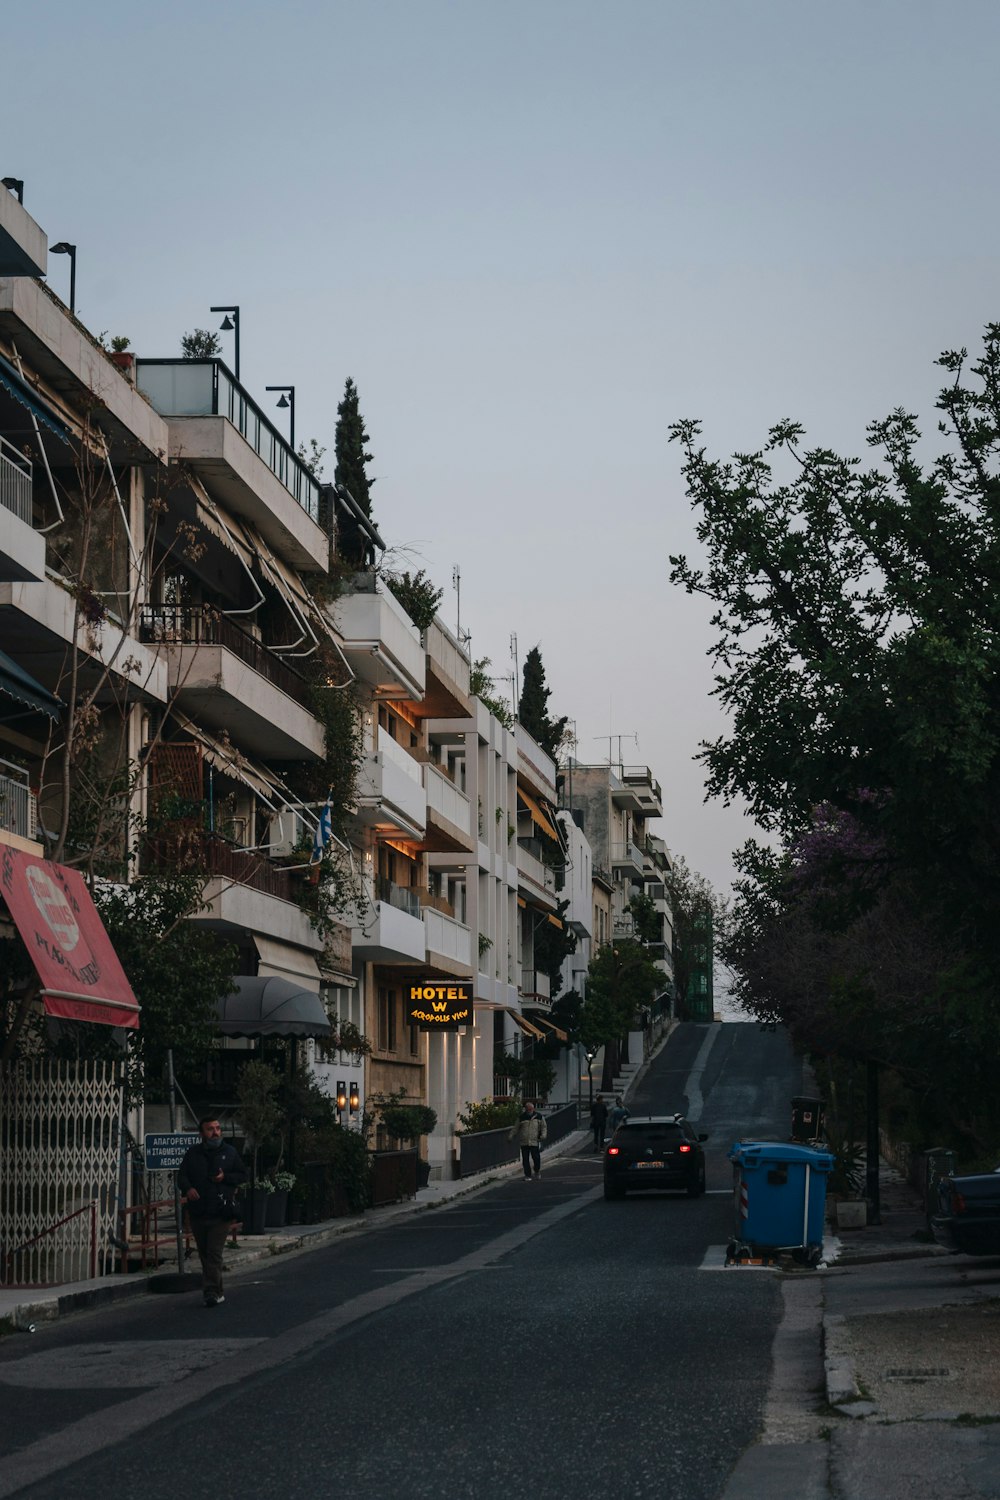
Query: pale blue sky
(536, 234)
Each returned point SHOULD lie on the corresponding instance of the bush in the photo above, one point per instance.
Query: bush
(407, 1122)
(345, 1157)
(487, 1114)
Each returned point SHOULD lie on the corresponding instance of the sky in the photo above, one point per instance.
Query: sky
(535, 235)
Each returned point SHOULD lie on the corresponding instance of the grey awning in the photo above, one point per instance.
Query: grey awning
(262, 1006)
(15, 385)
(15, 683)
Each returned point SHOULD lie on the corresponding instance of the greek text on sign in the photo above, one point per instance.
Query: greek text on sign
(164, 1153)
(443, 1006)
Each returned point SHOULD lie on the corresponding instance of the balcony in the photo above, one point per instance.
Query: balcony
(391, 929)
(22, 550)
(535, 877)
(536, 988)
(534, 768)
(380, 641)
(217, 428)
(23, 244)
(449, 814)
(391, 795)
(640, 780)
(17, 803)
(227, 679)
(627, 856)
(446, 695)
(449, 943)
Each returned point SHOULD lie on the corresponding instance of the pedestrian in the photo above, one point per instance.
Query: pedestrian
(618, 1114)
(208, 1179)
(529, 1132)
(598, 1119)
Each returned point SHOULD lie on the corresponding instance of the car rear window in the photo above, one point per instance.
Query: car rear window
(649, 1135)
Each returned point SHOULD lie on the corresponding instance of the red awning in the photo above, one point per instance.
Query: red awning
(82, 979)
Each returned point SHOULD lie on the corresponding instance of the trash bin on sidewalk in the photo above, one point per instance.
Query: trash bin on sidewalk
(807, 1119)
(779, 1199)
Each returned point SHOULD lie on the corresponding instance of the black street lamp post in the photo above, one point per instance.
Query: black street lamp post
(231, 325)
(64, 248)
(287, 402)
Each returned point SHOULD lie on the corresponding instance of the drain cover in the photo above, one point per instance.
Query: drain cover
(917, 1372)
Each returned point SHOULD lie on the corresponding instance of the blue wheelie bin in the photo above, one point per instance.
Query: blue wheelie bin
(779, 1199)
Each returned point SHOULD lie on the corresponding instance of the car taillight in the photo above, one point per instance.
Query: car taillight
(957, 1203)
(614, 1150)
(684, 1147)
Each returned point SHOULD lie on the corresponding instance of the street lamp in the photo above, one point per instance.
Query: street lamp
(231, 325)
(16, 185)
(64, 248)
(287, 403)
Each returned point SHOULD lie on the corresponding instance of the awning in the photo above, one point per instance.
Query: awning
(551, 1026)
(521, 901)
(15, 683)
(231, 762)
(538, 817)
(66, 940)
(13, 384)
(526, 1026)
(286, 962)
(267, 1006)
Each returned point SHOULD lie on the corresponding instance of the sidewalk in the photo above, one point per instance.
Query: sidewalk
(23, 1308)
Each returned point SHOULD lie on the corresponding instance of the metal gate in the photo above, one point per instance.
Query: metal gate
(60, 1134)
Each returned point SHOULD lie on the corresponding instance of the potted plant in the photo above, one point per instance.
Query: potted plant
(120, 354)
(281, 1184)
(260, 1117)
(407, 1123)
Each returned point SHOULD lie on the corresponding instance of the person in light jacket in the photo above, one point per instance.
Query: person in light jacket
(529, 1133)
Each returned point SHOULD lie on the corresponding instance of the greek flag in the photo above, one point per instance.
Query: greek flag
(323, 834)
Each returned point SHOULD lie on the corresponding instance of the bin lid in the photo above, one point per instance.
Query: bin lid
(751, 1154)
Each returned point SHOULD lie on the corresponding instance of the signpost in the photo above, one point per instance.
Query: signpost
(164, 1153)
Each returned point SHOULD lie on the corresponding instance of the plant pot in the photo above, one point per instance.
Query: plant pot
(852, 1214)
(276, 1209)
(256, 1213)
(423, 1173)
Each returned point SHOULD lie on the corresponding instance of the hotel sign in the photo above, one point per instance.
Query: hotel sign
(439, 1005)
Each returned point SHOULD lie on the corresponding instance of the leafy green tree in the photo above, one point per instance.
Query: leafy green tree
(646, 920)
(553, 945)
(698, 915)
(621, 980)
(481, 686)
(417, 594)
(351, 471)
(532, 707)
(201, 344)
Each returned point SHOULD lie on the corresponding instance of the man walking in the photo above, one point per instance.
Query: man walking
(618, 1114)
(208, 1178)
(598, 1119)
(529, 1133)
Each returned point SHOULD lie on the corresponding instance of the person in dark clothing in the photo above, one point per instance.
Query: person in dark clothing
(208, 1178)
(529, 1133)
(598, 1119)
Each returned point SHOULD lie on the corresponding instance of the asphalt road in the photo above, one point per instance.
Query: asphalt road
(529, 1338)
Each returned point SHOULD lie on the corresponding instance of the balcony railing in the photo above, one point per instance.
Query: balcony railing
(179, 625)
(535, 984)
(205, 388)
(402, 897)
(638, 776)
(626, 854)
(216, 856)
(15, 481)
(17, 803)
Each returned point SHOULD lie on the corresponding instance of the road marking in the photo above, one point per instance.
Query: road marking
(696, 1101)
(126, 1419)
(125, 1363)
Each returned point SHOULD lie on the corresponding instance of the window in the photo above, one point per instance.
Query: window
(386, 1019)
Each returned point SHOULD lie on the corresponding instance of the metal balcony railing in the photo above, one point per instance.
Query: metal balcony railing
(205, 387)
(17, 803)
(216, 856)
(15, 481)
(186, 625)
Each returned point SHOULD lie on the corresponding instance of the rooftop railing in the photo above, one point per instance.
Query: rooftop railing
(206, 388)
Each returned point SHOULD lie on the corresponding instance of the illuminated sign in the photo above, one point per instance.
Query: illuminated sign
(439, 1005)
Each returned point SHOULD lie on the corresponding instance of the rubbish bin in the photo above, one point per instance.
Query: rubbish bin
(779, 1198)
(807, 1119)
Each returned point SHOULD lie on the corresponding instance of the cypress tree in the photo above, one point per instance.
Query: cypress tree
(532, 707)
(351, 471)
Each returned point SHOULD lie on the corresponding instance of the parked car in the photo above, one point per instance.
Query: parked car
(654, 1151)
(968, 1216)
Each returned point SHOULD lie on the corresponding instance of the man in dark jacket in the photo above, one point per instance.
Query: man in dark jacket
(208, 1178)
(598, 1119)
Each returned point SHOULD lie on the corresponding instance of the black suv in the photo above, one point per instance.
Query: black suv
(654, 1151)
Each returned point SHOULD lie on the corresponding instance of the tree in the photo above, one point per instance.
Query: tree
(532, 707)
(201, 344)
(621, 980)
(698, 915)
(417, 594)
(553, 945)
(482, 686)
(351, 472)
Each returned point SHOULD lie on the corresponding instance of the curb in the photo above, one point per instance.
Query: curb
(26, 1316)
(842, 1389)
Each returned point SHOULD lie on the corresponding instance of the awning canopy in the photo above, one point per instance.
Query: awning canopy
(285, 962)
(15, 683)
(525, 1025)
(551, 1026)
(267, 1006)
(232, 762)
(538, 817)
(15, 386)
(81, 977)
